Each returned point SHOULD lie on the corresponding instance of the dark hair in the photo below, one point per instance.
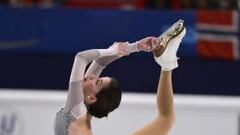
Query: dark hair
(108, 99)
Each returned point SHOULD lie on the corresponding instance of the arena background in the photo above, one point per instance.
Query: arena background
(38, 46)
(39, 39)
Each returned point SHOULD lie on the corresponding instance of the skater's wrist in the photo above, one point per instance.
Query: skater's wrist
(134, 47)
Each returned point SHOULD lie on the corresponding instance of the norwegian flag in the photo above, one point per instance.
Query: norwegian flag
(218, 34)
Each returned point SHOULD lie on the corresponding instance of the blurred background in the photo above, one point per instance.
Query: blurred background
(39, 39)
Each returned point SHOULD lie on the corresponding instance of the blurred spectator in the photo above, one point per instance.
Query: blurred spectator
(3, 2)
(227, 4)
(30, 3)
(195, 4)
(217, 4)
(159, 4)
(125, 4)
(207, 4)
(130, 4)
(202, 4)
(188, 4)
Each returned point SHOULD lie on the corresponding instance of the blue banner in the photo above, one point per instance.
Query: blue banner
(37, 48)
(72, 30)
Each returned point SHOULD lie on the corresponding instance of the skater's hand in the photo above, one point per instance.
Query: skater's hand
(120, 48)
(147, 44)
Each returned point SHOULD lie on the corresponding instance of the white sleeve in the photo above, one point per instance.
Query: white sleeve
(75, 88)
(80, 62)
(133, 47)
(79, 110)
(98, 65)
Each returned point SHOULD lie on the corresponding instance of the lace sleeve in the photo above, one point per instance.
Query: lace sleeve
(80, 62)
(75, 98)
(75, 89)
(98, 65)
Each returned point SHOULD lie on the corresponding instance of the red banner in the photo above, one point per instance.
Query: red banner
(218, 34)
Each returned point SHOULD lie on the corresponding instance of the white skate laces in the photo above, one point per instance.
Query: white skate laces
(166, 52)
